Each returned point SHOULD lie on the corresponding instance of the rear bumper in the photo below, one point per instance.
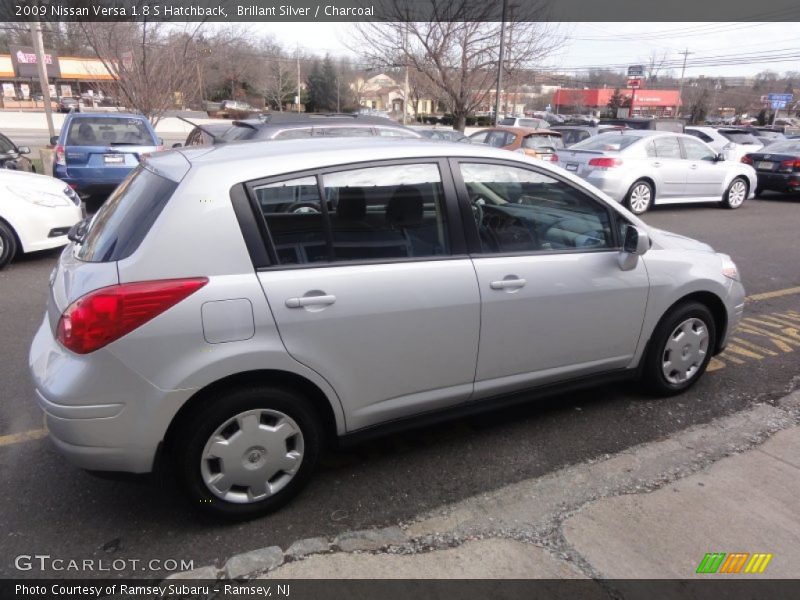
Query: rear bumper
(608, 182)
(779, 181)
(100, 415)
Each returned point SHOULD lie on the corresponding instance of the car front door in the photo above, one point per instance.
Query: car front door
(669, 168)
(373, 288)
(555, 302)
(705, 175)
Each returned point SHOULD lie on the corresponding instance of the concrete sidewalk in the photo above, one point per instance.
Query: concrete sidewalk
(652, 511)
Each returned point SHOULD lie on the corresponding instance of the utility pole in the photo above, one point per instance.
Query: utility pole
(405, 84)
(44, 83)
(298, 78)
(685, 53)
(500, 64)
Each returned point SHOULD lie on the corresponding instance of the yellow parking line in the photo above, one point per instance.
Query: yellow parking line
(775, 294)
(25, 436)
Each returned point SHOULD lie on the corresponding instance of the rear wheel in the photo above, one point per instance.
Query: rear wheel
(246, 452)
(639, 197)
(680, 349)
(736, 194)
(8, 244)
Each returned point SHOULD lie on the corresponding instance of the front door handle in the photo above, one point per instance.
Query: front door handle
(508, 284)
(310, 301)
(656, 164)
(694, 166)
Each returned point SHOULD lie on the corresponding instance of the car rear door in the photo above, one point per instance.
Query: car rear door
(103, 150)
(668, 167)
(555, 303)
(373, 288)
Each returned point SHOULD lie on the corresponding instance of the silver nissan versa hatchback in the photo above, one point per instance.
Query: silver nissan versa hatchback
(231, 309)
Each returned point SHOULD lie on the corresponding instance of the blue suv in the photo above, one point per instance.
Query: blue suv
(95, 151)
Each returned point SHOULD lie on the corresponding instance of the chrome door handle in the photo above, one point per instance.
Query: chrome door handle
(694, 166)
(310, 301)
(656, 164)
(506, 284)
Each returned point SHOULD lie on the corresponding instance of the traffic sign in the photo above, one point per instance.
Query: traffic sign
(778, 104)
(634, 83)
(635, 70)
(780, 97)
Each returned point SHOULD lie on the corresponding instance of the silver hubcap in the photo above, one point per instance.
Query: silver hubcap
(685, 351)
(2, 246)
(252, 456)
(737, 193)
(640, 198)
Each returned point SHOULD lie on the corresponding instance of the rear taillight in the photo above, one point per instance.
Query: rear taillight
(105, 315)
(61, 157)
(554, 158)
(747, 160)
(605, 163)
(789, 165)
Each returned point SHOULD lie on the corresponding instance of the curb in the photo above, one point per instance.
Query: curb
(639, 469)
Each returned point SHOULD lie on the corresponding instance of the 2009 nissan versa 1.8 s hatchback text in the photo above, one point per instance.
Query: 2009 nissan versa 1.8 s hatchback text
(229, 310)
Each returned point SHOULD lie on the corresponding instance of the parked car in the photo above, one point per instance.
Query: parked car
(673, 125)
(766, 135)
(529, 122)
(732, 143)
(641, 168)
(36, 213)
(95, 151)
(536, 143)
(67, 104)
(237, 340)
(572, 134)
(14, 157)
(279, 126)
(205, 135)
(443, 135)
(777, 166)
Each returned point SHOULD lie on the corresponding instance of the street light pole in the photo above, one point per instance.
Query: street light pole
(500, 64)
(44, 83)
(683, 70)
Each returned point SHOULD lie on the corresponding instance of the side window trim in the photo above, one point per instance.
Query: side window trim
(455, 233)
(471, 231)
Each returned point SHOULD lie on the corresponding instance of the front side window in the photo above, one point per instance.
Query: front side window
(519, 210)
(696, 150)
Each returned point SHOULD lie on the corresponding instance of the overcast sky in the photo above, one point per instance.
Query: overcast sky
(594, 44)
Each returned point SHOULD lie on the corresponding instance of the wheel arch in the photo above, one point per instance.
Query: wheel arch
(20, 247)
(714, 304)
(258, 377)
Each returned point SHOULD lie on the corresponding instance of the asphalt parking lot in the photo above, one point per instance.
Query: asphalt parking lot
(49, 507)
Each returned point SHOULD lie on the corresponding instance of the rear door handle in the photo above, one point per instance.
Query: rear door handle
(656, 164)
(310, 301)
(694, 166)
(507, 284)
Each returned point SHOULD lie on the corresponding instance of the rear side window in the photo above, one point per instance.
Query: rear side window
(343, 132)
(370, 213)
(121, 224)
(294, 134)
(88, 131)
(239, 132)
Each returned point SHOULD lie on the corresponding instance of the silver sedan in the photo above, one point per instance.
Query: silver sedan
(641, 168)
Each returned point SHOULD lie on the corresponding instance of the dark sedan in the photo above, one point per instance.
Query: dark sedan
(777, 166)
(13, 156)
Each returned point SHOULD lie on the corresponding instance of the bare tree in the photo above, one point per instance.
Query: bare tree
(153, 63)
(655, 63)
(280, 80)
(456, 51)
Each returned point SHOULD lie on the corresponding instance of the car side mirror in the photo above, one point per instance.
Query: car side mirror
(719, 157)
(635, 243)
(78, 231)
(54, 140)
(23, 150)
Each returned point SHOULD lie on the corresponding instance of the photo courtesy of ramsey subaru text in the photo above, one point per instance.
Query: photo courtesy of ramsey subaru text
(232, 309)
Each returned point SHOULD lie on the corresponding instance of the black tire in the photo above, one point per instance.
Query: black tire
(632, 205)
(726, 197)
(195, 431)
(8, 244)
(653, 378)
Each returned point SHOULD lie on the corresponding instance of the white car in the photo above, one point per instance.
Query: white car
(732, 143)
(36, 213)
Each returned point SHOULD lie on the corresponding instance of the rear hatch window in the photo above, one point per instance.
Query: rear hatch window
(739, 137)
(121, 224)
(540, 142)
(107, 131)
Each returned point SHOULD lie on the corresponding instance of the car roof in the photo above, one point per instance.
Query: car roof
(245, 161)
(526, 131)
(106, 115)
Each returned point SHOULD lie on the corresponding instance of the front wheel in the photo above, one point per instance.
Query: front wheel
(248, 451)
(8, 244)
(639, 197)
(736, 194)
(680, 349)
